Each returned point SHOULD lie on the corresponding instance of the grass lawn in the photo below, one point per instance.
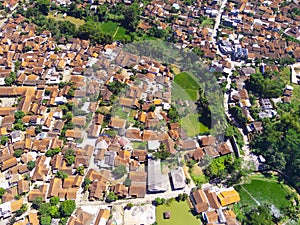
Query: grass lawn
(113, 28)
(109, 27)
(121, 34)
(192, 125)
(185, 87)
(180, 214)
(59, 17)
(139, 145)
(118, 112)
(197, 175)
(208, 22)
(264, 191)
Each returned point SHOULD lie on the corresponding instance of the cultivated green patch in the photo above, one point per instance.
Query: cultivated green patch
(180, 214)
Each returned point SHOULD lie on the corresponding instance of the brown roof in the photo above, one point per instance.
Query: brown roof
(23, 186)
(9, 163)
(16, 205)
(33, 218)
(211, 151)
(55, 187)
(223, 148)
(198, 154)
(212, 199)
(79, 121)
(133, 134)
(141, 155)
(117, 123)
(208, 140)
(200, 201)
(189, 145)
(138, 191)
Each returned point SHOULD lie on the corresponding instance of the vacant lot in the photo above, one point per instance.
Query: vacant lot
(180, 214)
(59, 17)
(192, 125)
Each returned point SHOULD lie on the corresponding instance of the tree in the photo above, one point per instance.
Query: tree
(31, 165)
(52, 152)
(152, 108)
(111, 197)
(131, 17)
(23, 209)
(43, 6)
(61, 174)
(173, 114)
(54, 200)
(129, 205)
(119, 171)
(86, 183)
(19, 114)
(70, 156)
(45, 220)
(37, 202)
(67, 207)
(159, 201)
(4, 140)
(259, 216)
(18, 153)
(2, 192)
(80, 170)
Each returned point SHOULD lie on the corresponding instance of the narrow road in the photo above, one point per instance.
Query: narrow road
(218, 20)
(149, 198)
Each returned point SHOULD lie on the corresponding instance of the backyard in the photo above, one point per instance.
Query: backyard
(180, 214)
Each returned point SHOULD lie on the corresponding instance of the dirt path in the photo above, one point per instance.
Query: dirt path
(116, 32)
(257, 202)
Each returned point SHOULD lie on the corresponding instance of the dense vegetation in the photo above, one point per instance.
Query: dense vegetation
(280, 141)
(54, 209)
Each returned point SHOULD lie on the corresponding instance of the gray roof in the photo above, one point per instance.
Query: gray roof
(157, 182)
(178, 178)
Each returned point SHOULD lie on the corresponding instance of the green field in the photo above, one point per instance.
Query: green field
(192, 125)
(59, 17)
(185, 87)
(263, 190)
(113, 28)
(180, 214)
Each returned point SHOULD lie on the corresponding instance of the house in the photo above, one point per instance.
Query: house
(189, 145)
(138, 184)
(211, 217)
(228, 197)
(121, 190)
(177, 178)
(102, 216)
(207, 140)
(212, 199)
(156, 181)
(199, 200)
(117, 123)
(81, 217)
